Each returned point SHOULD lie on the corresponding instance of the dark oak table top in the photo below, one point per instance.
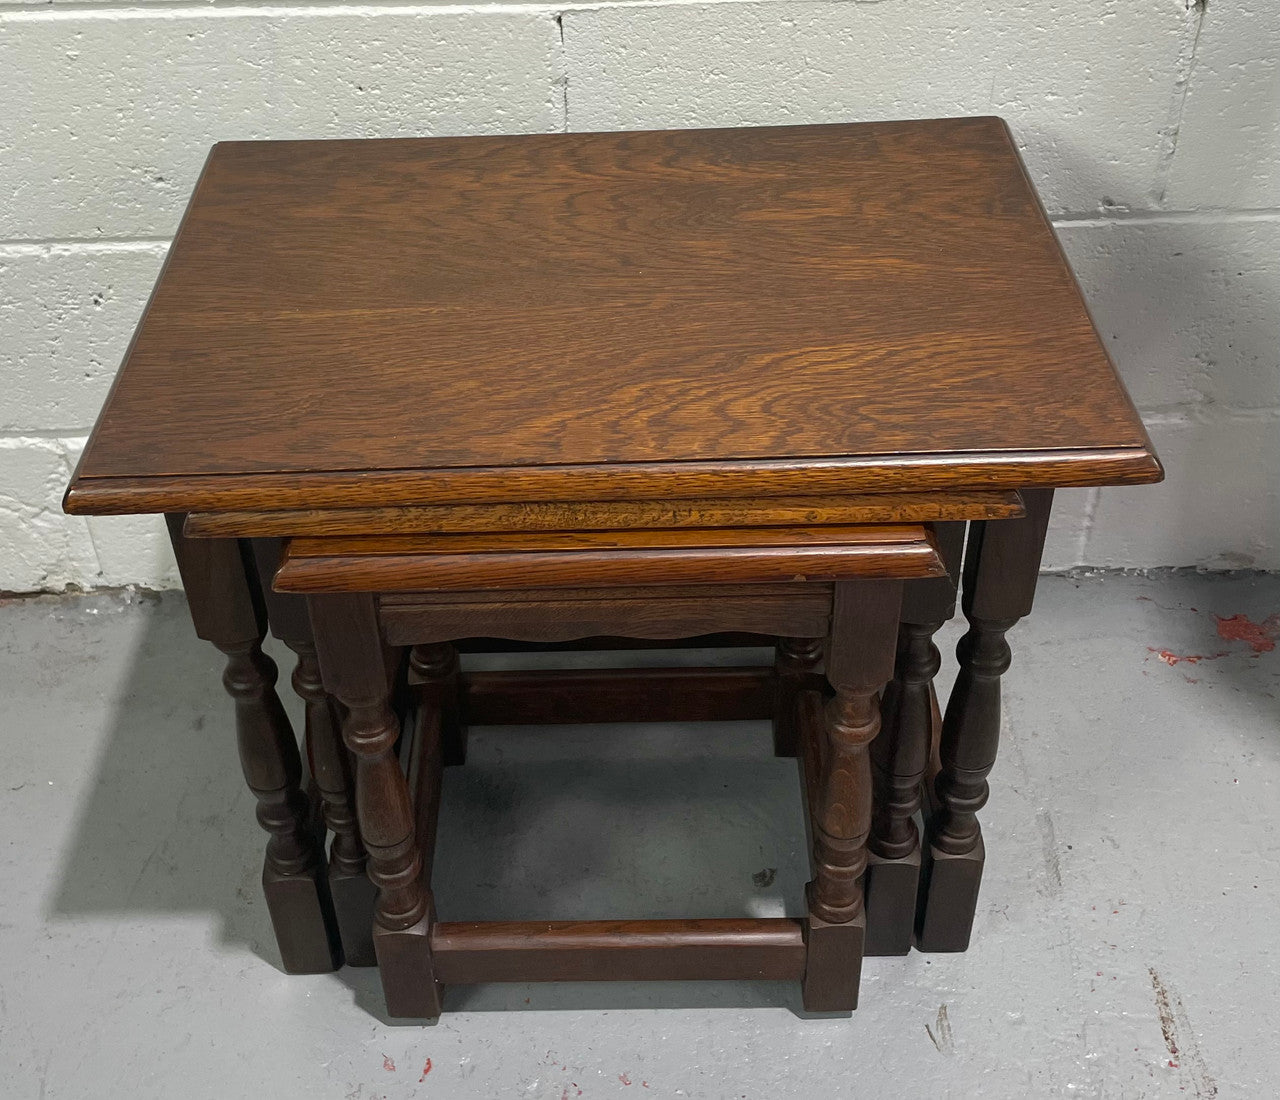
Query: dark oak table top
(705, 313)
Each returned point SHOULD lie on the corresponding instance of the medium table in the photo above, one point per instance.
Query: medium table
(703, 331)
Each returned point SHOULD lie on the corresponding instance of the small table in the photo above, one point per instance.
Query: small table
(864, 324)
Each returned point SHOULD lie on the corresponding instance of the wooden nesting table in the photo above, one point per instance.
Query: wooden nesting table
(645, 384)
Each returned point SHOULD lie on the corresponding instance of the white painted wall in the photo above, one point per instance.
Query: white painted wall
(1151, 127)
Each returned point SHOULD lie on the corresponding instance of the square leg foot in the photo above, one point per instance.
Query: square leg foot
(833, 964)
(354, 898)
(304, 922)
(948, 899)
(891, 886)
(408, 975)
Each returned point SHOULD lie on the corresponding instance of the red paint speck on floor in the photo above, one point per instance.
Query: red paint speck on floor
(1260, 637)
(426, 1068)
(624, 1078)
(1171, 658)
(388, 1064)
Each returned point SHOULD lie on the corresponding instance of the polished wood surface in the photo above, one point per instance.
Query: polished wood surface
(435, 674)
(588, 558)
(900, 754)
(921, 473)
(1001, 567)
(226, 610)
(611, 515)
(579, 384)
(608, 642)
(398, 805)
(658, 612)
(742, 948)
(355, 670)
(349, 884)
(859, 661)
(796, 662)
(423, 760)
(611, 316)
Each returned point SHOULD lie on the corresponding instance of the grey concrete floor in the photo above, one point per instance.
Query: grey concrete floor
(1123, 947)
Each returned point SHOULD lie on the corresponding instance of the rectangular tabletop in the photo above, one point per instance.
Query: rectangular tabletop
(862, 307)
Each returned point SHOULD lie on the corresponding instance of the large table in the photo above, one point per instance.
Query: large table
(521, 339)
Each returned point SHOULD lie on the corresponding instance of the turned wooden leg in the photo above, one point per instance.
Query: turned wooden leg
(796, 662)
(220, 595)
(900, 754)
(435, 669)
(349, 885)
(1000, 571)
(859, 662)
(353, 664)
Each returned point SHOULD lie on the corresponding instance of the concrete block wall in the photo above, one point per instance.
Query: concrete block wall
(1152, 128)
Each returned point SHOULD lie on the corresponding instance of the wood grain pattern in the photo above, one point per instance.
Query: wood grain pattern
(833, 952)
(804, 609)
(924, 473)
(427, 562)
(338, 319)
(760, 949)
(837, 771)
(610, 515)
(859, 663)
(811, 595)
(678, 541)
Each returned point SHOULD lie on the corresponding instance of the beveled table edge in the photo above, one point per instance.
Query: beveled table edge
(610, 515)
(919, 473)
(607, 559)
